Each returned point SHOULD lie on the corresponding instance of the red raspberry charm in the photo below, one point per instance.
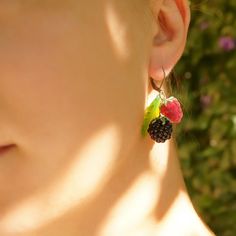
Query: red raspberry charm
(172, 110)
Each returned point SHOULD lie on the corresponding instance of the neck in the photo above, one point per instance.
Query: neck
(122, 196)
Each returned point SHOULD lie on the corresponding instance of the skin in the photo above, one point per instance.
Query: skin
(73, 89)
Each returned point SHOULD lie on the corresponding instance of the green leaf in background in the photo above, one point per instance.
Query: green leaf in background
(151, 112)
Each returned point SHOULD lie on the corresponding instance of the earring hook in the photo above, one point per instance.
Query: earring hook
(162, 82)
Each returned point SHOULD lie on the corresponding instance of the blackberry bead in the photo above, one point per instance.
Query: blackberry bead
(160, 129)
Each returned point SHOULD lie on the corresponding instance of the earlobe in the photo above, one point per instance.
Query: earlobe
(170, 37)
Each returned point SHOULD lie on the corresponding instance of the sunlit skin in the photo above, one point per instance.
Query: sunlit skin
(73, 89)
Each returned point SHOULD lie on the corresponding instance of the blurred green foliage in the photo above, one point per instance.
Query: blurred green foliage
(207, 135)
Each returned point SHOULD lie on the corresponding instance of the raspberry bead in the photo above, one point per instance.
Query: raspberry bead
(172, 110)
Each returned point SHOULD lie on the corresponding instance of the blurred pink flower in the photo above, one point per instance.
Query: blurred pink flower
(227, 43)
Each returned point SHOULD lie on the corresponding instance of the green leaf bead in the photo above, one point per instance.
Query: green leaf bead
(151, 112)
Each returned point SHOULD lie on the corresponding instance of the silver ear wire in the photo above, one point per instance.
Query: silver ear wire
(162, 82)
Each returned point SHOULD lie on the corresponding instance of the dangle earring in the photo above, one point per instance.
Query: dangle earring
(161, 114)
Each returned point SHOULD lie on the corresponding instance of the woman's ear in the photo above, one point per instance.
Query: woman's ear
(172, 21)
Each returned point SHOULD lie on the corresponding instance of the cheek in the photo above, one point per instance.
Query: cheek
(42, 85)
(39, 111)
(43, 108)
(38, 93)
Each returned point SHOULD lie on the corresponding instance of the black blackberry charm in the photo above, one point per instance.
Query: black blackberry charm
(160, 129)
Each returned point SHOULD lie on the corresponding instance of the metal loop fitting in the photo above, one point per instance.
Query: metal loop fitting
(158, 89)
